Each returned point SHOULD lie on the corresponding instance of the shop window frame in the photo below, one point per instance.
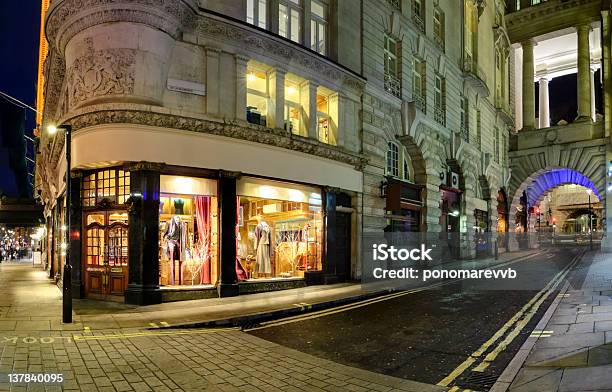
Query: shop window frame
(92, 197)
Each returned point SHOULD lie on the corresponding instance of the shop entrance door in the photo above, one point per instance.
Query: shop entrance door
(106, 255)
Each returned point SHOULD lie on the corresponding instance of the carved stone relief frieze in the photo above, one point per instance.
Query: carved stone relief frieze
(99, 73)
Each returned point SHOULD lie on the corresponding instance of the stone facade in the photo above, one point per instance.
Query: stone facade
(435, 146)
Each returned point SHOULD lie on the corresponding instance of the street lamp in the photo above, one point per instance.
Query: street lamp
(589, 191)
(67, 281)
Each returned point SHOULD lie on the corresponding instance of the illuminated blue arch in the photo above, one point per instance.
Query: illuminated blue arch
(554, 178)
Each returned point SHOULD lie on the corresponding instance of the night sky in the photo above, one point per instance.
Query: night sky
(19, 29)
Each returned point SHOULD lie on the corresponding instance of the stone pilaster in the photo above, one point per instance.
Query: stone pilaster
(308, 98)
(212, 81)
(276, 103)
(241, 86)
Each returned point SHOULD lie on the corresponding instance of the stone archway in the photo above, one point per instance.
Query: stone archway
(542, 181)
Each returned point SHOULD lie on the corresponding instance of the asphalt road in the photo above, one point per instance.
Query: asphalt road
(425, 336)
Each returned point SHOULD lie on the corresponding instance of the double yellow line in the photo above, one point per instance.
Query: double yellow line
(519, 321)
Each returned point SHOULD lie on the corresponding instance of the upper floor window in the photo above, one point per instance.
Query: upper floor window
(438, 25)
(256, 13)
(392, 60)
(419, 84)
(110, 185)
(418, 14)
(440, 100)
(290, 19)
(257, 96)
(318, 26)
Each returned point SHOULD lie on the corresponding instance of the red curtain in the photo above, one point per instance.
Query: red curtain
(203, 245)
(241, 273)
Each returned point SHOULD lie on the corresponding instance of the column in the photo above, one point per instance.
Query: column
(544, 103)
(143, 235)
(528, 85)
(276, 103)
(228, 281)
(330, 251)
(212, 81)
(584, 64)
(308, 101)
(76, 216)
(593, 110)
(241, 86)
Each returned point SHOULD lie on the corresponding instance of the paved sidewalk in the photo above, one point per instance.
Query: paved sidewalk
(573, 351)
(28, 301)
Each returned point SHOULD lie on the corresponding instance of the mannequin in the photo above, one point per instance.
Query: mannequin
(173, 237)
(263, 246)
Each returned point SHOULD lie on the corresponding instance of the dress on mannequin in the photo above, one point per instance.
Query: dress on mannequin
(263, 234)
(173, 237)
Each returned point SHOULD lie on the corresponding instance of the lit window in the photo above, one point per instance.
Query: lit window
(109, 185)
(256, 13)
(290, 19)
(292, 107)
(257, 96)
(318, 26)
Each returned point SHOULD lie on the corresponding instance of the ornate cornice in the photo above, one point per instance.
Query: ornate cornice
(234, 129)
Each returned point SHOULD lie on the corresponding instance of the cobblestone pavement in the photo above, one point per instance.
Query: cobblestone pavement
(178, 360)
(33, 340)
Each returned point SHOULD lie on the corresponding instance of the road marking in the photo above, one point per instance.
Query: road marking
(87, 329)
(155, 333)
(533, 304)
(366, 302)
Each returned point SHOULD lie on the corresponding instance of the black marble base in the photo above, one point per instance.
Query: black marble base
(228, 290)
(139, 295)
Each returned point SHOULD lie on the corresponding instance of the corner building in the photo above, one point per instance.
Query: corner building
(216, 145)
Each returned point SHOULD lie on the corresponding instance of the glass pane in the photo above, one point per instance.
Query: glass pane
(262, 14)
(322, 38)
(283, 20)
(317, 9)
(313, 35)
(250, 9)
(295, 25)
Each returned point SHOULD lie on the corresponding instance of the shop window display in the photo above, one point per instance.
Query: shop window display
(280, 233)
(188, 231)
(257, 96)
